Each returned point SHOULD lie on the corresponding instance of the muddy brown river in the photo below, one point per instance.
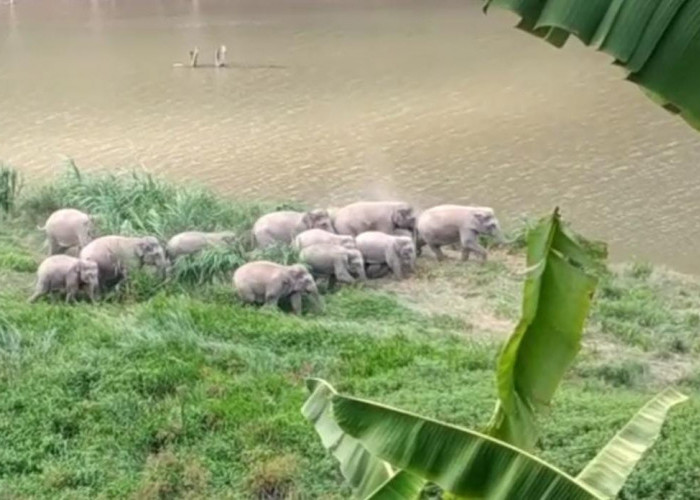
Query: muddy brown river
(332, 100)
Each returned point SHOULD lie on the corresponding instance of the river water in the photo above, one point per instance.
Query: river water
(332, 100)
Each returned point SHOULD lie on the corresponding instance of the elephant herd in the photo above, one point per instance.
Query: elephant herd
(367, 239)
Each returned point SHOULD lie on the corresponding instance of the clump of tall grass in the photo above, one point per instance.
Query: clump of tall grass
(211, 265)
(279, 253)
(10, 187)
(138, 203)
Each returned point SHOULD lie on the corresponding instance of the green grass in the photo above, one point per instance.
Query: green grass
(176, 390)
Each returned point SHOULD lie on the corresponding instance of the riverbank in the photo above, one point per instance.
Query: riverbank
(179, 391)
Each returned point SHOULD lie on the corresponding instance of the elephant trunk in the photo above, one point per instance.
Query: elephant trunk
(316, 301)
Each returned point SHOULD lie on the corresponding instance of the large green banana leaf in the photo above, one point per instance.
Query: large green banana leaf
(363, 471)
(472, 465)
(402, 486)
(609, 470)
(556, 300)
(656, 41)
(462, 461)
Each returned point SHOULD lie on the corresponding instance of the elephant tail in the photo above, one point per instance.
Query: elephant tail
(41, 228)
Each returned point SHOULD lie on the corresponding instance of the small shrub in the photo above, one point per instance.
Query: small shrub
(640, 270)
(273, 479)
(169, 476)
(10, 187)
(211, 265)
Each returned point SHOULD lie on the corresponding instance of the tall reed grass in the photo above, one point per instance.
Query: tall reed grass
(138, 203)
(10, 187)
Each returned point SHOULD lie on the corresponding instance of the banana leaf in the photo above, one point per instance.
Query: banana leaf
(656, 42)
(556, 300)
(609, 470)
(362, 470)
(401, 486)
(463, 462)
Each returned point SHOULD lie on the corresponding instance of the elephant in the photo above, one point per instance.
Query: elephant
(319, 236)
(282, 227)
(335, 262)
(66, 274)
(263, 282)
(457, 224)
(67, 228)
(191, 242)
(114, 255)
(382, 216)
(384, 253)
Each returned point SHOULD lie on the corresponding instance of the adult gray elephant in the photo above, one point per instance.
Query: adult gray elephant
(115, 255)
(282, 227)
(66, 274)
(382, 216)
(384, 253)
(191, 242)
(334, 262)
(67, 228)
(457, 224)
(322, 237)
(264, 282)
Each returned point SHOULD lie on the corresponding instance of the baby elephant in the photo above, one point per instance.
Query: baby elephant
(335, 262)
(115, 254)
(456, 224)
(67, 228)
(383, 216)
(266, 283)
(282, 227)
(321, 237)
(65, 274)
(384, 253)
(192, 242)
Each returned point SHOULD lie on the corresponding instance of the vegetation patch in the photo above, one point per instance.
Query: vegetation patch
(175, 389)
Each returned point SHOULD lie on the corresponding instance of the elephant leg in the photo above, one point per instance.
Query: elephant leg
(332, 282)
(54, 247)
(396, 270)
(39, 292)
(70, 295)
(272, 300)
(471, 244)
(340, 268)
(437, 251)
(295, 300)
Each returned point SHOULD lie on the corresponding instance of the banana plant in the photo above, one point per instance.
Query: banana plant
(655, 42)
(386, 453)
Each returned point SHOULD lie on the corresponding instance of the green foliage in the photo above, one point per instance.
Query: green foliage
(176, 389)
(210, 265)
(279, 253)
(548, 337)
(643, 308)
(609, 470)
(10, 187)
(138, 203)
(655, 42)
(388, 453)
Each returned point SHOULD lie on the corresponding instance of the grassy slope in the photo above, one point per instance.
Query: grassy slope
(181, 391)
